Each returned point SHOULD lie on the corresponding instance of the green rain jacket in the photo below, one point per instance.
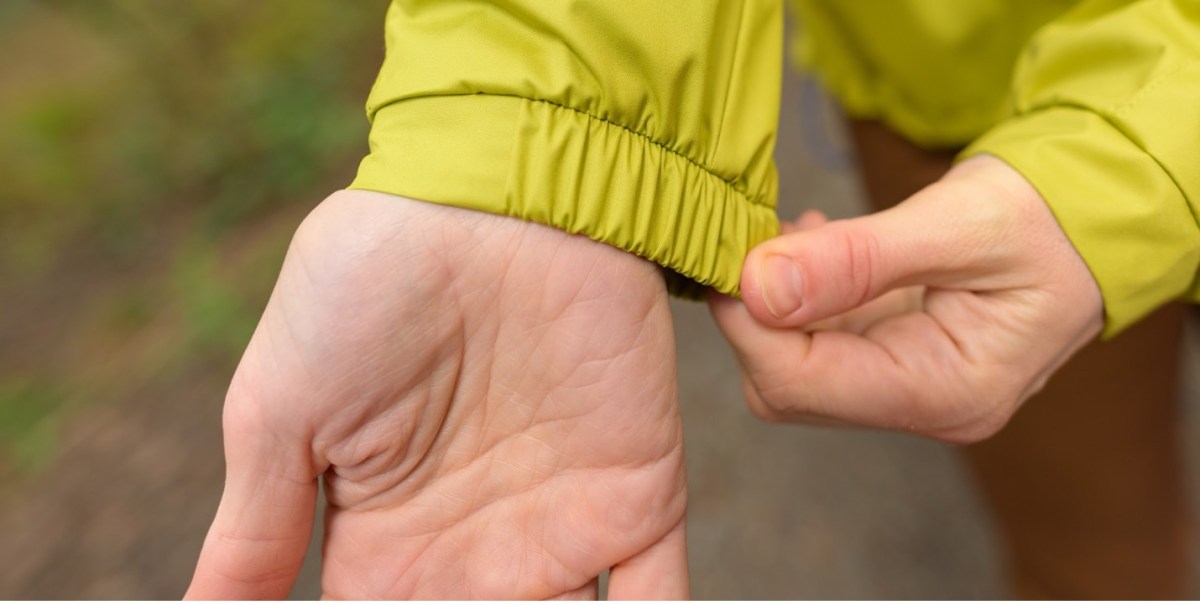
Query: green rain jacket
(650, 124)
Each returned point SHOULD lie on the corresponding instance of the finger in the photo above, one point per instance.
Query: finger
(658, 573)
(809, 275)
(809, 219)
(859, 319)
(261, 532)
(856, 320)
(904, 373)
(764, 411)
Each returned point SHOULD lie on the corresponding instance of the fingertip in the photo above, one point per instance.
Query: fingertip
(751, 283)
(724, 308)
(811, 219)
(773, 287)
(733, 318)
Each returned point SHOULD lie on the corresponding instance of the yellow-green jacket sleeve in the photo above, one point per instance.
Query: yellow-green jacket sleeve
(1107, 128)
(645, 124)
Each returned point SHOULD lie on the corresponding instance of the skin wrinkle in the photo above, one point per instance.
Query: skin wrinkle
(488, 379)
(490, 504)
(494, 430)
(915, 387)
(325, 596)
(552, 561)
(487, 503)
(355, 489)
(441, 427)
(478, 511)
(380, 447)
(661, 420)
(344, 475)
(313, 379)
(418, 467)
(394, 588)
(544, 331)
(254, 582)
(251, 427)
(571, 539)
(241, 537)
(817, 402)
(574, 418)
(347, 458)
(289, 331)
(789, 364)
(358, 546)
(780, 404)
(947, 330)
(862, 250)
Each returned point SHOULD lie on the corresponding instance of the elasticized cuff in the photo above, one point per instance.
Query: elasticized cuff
(557, 166)
(1124, 214)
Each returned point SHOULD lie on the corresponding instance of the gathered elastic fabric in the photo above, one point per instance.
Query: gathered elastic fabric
(557, 166)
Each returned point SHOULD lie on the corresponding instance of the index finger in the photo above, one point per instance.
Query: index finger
(907, 372)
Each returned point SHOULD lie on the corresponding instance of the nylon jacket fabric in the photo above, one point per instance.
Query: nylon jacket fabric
(646, 124)
(937, 71)
(649, 125)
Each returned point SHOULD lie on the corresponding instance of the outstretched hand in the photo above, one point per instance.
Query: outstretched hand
(491, 403)
(939, 316)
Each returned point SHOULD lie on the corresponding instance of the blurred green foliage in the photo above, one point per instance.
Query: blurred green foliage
(148, 151)
(28, 421)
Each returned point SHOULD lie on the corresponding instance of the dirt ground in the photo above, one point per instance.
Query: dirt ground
(776, 512)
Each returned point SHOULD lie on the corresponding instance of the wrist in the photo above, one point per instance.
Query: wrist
(444, 243)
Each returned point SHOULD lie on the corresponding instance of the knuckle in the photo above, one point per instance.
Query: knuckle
(760, 406)
(966, 409)
(980, 419)
(860, 249)
(975, 431)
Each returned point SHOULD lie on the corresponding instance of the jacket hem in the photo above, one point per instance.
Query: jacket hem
(561, 167)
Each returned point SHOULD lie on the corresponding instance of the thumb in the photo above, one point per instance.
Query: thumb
(258, 540)
(810, 275)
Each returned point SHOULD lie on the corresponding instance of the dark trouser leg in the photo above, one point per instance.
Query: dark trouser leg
(1086, 481)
